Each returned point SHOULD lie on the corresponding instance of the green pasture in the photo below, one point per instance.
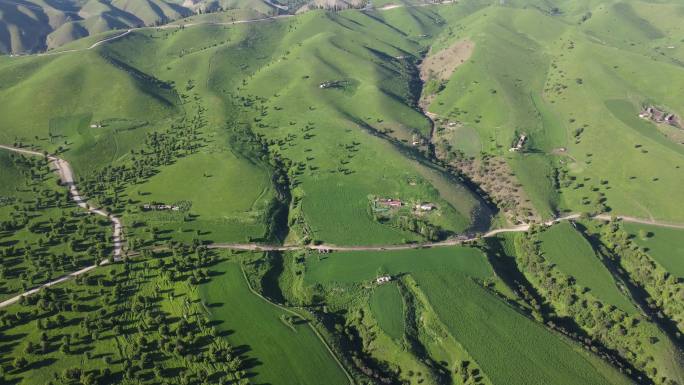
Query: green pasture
(535, 173)
(387, 307)
(73, 87)
(338, 180)
(573, 255)
(510, 348)
(558, 75)
(615, 84)
(226, 197)
(665, 245)
(287, 353)
(360, 266)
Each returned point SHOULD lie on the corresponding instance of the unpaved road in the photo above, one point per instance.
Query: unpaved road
(66, 175)
(642, 221)
(408, 246)
(447, 243)
(387, 7)
(179, 25)
(51, 283)
(167, 26)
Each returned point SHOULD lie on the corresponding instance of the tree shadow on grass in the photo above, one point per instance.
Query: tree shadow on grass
(38, 364)
(10, 338)
(226, 333)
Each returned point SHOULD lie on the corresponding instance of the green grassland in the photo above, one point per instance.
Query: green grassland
(388, 308)
(574, 256)
(508, 347)
(337, 176)
(327, 130)
(639, 335)
(109, 133)
(288, 353)
(493, 333)
(74, 87)
(353, 267)
(574, 79)
(665, 245)
(288, 130)
(228, 197)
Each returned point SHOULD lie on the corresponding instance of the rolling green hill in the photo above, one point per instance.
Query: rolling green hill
(336, 143)
(37, 25)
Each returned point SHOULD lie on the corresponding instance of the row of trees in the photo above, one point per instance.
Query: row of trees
(666, 291)
(630, 336)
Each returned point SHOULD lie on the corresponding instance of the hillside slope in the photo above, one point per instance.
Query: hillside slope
(37, 25)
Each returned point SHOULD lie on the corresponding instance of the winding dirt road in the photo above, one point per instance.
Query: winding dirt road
(408, 246)
(234, 22)
(427, 245)
(166, 26)
(66, 175)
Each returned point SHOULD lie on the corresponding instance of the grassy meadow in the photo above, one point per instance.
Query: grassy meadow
(288, 352)
(665, 245)
(388, 308)
(574, 256)
(574, 89)
(223, 197)
(508, 347)
(295, 130)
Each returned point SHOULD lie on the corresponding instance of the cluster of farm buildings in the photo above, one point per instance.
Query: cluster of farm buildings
(519, 144)
(159, 207)
(396, 203)
(660, 116)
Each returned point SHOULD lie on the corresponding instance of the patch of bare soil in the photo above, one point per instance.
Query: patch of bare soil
(438, 67)
(492, 174)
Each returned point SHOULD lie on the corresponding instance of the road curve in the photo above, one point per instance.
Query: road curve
(641, 221)
(66, 175)
(179, 25)
(167, 26)
(449, 242)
